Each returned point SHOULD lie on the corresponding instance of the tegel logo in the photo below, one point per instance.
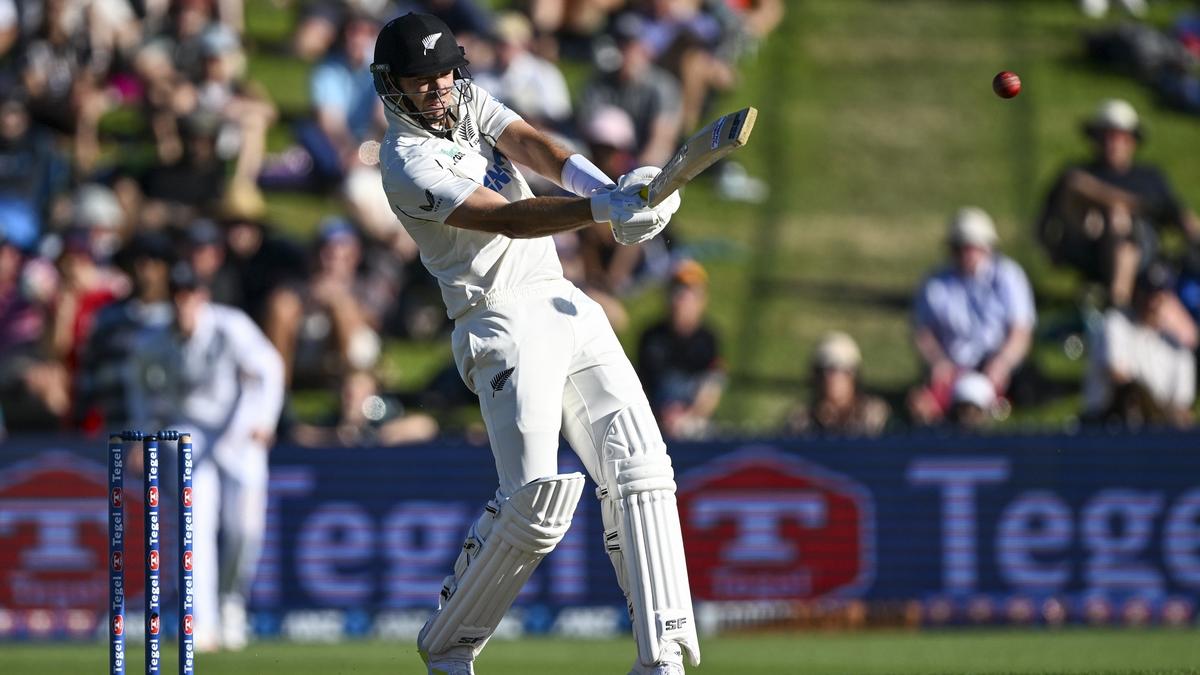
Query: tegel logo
(54, 534)
(763, 524)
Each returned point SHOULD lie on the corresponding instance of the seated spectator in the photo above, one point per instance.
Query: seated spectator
(679, 359)
(178, 191)
(102, 378)
(525, 82)
(839, 405)
(35, 391)
(331, 322)
(975, 314)
(97, 211)
(243, 107)
(346, 111)
(317, 29)
(648, 94)
(1142, 366)
(1101, 217)
(689, 41)
(60, 79)
(366, 418)
(204, 250)
(31, 171)
(262, 260)
(973, 402)
(85, 288)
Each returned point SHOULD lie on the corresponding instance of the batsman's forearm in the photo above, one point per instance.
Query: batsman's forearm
(541, 216)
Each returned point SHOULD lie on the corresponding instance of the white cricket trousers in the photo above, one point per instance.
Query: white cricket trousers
(229, 517)
(544, 360)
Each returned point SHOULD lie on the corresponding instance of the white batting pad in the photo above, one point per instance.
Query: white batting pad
(639, 503)
(502, 549)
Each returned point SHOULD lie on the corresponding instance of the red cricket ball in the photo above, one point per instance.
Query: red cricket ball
(1006, 84)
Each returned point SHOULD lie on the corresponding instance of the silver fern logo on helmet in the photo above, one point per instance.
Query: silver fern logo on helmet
(429, 41)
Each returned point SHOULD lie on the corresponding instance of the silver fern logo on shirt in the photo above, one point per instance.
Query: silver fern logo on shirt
(500, 380)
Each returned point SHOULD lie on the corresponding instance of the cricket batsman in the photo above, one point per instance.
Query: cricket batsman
(539, 354)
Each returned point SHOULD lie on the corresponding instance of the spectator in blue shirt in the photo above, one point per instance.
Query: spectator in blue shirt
(345, 107)
(974, 315)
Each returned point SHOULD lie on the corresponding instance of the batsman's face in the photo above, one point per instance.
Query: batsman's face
(433, 96)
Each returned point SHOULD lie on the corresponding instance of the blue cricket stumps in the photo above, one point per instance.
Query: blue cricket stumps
(187, 653)
(153, 559)
(116, 556)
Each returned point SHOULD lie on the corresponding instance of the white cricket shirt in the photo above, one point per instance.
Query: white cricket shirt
(427, 176)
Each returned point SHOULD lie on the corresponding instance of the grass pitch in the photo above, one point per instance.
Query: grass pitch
(865, 653)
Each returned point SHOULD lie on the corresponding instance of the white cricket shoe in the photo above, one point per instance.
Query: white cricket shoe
(673, 665)
(234, 626)
(451, 668)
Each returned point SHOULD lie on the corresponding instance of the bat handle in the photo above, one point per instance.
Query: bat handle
(645, 192)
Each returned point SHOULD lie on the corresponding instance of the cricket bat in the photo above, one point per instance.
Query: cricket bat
(702, 150)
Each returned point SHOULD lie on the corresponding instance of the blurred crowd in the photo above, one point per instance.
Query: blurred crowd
(134, 143)
(1107, 218)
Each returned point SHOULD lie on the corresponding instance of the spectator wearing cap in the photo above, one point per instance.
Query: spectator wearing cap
(1101, 217)
(97, 211)
(973, 402)
(1142, 366)
(244, 108)
(679, 358)
(205, 252)
(648, 94)
(527, 83)
(839, 405)
(975, 314)
(330, 323)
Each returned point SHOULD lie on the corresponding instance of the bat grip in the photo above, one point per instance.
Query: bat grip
(645, 192)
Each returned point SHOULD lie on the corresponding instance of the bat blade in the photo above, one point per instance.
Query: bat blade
(721, 137)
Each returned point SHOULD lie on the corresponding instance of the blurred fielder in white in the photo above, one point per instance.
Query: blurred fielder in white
(538, 352)
(214, 374)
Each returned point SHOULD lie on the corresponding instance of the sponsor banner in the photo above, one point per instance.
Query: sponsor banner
(935, 529)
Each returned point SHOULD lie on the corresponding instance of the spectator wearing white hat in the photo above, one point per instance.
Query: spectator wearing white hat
(839, 405)
(975, 314)
(973, 401)
(526, 82)
(1101, 217)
